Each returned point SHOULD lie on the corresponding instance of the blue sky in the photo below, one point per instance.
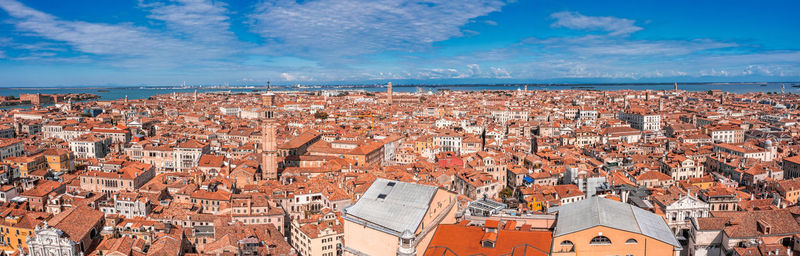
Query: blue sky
(145, 42)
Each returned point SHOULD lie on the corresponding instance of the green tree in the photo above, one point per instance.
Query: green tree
(506, 192)
(320, 115)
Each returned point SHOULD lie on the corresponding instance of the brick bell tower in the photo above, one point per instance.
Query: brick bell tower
(269, 165)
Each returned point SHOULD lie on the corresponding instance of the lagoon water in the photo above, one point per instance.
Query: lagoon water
(145, 92)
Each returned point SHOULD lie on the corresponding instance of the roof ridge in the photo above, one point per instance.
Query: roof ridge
(635, 219)
(596, 203)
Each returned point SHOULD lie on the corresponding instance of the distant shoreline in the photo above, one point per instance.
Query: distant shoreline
(535, 85)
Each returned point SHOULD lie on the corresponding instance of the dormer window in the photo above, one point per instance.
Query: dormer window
(765, 228)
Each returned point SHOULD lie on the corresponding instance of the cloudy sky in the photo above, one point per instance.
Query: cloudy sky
(144, 42)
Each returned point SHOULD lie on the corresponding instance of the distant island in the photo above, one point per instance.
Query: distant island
(44, 99)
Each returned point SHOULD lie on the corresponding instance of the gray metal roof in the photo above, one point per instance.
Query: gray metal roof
(487, 205)
(394, 205)
(597, 211)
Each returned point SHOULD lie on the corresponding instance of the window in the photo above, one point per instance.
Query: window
(600, 240)
(567, 243)
(631, 241)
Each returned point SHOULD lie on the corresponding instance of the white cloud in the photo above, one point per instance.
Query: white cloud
(333, 40)
(612, 25)
(356, 27)
(119, 44)
(4, 41)
(474, 69)
(500, 72)
(295, 77)
(609, 45)
(287, 77)
(202, 20)
(714, 72)
(470, 71)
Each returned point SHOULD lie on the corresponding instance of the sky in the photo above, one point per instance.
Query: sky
(238, 42)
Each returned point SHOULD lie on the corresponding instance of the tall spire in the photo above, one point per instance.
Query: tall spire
(676, 86)
(783, 88)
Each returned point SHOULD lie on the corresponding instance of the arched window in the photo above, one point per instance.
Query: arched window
(631, 241)
(567, 246)
(600, 240)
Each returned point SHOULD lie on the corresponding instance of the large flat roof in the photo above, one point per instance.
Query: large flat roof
(597, 211)
(393, 205)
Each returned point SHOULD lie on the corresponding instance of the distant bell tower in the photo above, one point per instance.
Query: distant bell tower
(676, 86)
(389, 94)
(269, 168)
(268, 102)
